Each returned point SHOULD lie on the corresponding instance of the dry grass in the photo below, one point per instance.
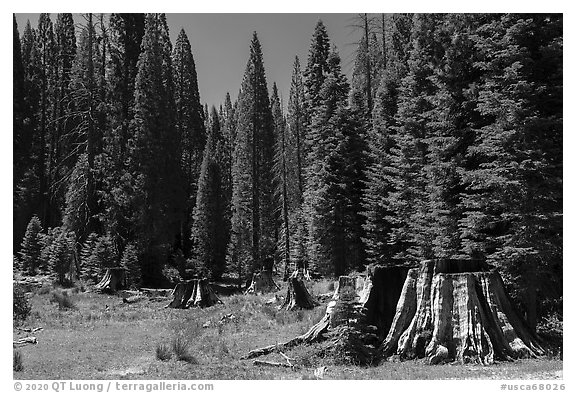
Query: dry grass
(103, 338)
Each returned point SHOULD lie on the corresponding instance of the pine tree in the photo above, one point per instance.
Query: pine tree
(21, 137)
(157, 196)
(381, 248)
(131, 264)
(189, 125)
(281, 180)
(295, 135)
(125, 31)
(209, 231)
(253, 225)
(63, 152)
(408, 201)
(31, 248)
(513, 200)
(324, 215)
(82, 210)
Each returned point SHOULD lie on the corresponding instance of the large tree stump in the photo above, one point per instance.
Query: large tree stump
(193, 293)
(114, 279)
(457, 311)
(262, 282)
(297, 296)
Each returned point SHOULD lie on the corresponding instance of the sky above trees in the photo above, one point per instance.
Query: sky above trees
(220, 45)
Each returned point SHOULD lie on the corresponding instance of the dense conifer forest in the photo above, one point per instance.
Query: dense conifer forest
(445, 143)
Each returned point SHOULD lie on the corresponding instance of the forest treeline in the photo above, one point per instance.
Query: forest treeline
(446, 142)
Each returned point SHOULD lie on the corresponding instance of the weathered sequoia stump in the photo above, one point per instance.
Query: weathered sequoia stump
(193, 293)
(297, 296)
(114, 279)
(457, 311)
(262, 282)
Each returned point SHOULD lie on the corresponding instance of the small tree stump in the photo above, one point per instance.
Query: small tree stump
(262, 282)
(457, 311)
(297, 296)
(114, 279)
(193, 293)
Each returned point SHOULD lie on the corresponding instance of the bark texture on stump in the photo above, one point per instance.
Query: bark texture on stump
(262, 282)
(114, 279)
(297, 296)
(447, 312)
(193, 293)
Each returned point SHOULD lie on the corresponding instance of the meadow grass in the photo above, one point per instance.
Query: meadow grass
(104, 338)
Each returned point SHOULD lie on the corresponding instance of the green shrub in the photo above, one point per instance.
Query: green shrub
(21, 306)
(31, 247)
(132, 266)
(64, 301)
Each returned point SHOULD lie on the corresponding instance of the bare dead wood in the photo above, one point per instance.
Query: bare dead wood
(271, 364)
(133, 299)
(25, 341)
(30, 330)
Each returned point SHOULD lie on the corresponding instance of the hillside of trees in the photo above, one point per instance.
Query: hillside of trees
(446, 142)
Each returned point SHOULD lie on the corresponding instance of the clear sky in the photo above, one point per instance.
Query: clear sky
(221, 45)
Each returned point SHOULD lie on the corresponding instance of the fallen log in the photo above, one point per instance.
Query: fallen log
(25, 341)
(272, 364)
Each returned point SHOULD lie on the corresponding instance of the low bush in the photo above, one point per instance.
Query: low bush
(180, 349)
(163, 352)
(22, 308)
(64, 301)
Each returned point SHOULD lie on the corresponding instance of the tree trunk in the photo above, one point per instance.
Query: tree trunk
(457, 311)
(297, 296)
(193, 293)
(262, 282)
(113, 280)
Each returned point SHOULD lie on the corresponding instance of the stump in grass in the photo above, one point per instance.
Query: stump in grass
(297, 296)
(457, 311)
(262, 282)
(341, 310)
(193, 293)
(114, 279)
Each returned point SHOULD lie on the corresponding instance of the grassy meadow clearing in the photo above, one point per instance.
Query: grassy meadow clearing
(90, 335)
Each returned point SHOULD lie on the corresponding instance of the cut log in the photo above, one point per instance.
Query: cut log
(193, 293)
(113, 280)
(262, 282)
(457, 311)
(297, 296)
